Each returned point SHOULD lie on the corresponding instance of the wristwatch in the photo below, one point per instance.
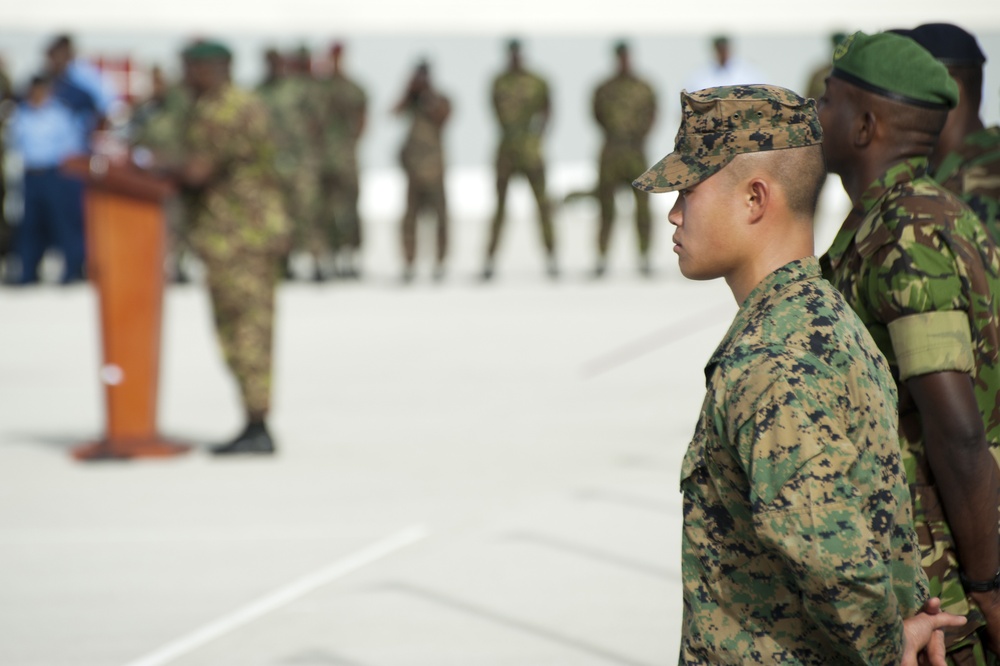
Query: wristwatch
(980, 585)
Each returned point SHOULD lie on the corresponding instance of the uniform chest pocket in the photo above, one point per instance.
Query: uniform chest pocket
(695, 464)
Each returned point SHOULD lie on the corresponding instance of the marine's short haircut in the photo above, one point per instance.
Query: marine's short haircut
(798, 172)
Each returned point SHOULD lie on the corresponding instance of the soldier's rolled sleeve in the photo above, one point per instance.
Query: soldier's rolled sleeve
(809, 511)
(932, 342)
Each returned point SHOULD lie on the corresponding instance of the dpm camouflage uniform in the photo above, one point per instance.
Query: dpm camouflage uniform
(973, 173)
(423, 159)
(521, 102)
(921, 272)
(624, 107)
(798, 542)
(239, 228)
(293, 103)
(344, 104)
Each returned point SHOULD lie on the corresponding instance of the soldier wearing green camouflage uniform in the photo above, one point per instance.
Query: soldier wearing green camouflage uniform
(422, 158)
(924, 277)
(624, 107)
(239, 227)
(798, 545)
(344, 105)
(290, 95)
(521, 103)
(966, 158)
(158, 126)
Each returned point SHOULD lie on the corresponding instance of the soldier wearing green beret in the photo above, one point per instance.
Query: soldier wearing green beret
(798, 545)
(923, 275)
(625, 108)
(238, 226)
(521, 103)
(966, 158)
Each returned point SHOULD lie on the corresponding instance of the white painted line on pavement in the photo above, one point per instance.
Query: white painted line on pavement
(282, 596)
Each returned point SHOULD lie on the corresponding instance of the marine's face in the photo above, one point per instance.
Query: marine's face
(706, 238)
(836, 115)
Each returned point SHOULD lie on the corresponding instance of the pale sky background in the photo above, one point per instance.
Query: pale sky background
(462, 16)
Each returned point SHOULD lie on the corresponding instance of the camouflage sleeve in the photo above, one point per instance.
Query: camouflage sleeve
(917, 273)
(932, 342)
(806, 508)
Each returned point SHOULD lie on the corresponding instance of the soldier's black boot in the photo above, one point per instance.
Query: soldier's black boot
(255, 439)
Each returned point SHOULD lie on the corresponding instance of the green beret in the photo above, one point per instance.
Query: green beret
(207, 50)
(895, 67)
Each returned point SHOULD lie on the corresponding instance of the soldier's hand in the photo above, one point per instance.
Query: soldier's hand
(923, 640)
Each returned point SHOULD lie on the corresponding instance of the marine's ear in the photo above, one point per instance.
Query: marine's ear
(759, 195)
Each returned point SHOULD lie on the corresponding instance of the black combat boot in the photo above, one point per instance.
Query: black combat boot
(255, 439)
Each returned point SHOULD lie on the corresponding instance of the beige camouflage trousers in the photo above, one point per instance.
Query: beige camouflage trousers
(242, 293)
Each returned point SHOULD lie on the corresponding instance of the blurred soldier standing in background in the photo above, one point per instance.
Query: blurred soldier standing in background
(817, 80)
(158, 125)
(966, 157)
(344, 105)
(521, 102)
(423, 159)
(289, 93)
(625, 107)
(239, 227)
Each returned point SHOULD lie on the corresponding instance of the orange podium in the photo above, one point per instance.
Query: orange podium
(126, 239)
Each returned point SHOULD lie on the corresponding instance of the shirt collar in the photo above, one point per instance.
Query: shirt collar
(902, 172)
(760, 300)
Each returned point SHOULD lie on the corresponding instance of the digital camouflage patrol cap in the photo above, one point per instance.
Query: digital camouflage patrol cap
(717, 124)
(895, 67)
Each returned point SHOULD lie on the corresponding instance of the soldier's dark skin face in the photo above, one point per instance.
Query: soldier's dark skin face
(836, 114)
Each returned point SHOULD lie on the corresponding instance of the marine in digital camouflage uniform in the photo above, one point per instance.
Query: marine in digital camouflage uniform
(290, 95)
(966, 157)
(798, 544)
(239, 227)
(422, 157)
(624, 107)
(919, 269)
(344, 105)
(521, 103)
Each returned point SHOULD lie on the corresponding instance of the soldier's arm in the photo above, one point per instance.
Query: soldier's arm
(925, 310)
(362, 118)
(966, 475)
(546, 111)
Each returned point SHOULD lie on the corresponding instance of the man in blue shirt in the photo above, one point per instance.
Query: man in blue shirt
(44, 132)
